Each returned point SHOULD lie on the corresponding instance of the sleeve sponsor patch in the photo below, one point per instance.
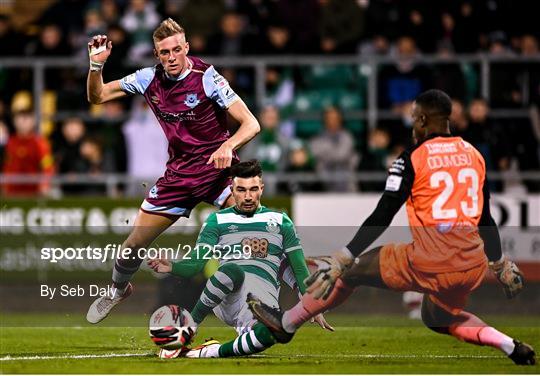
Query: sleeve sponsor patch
(130, 79)
(218, 89)
(393, 183)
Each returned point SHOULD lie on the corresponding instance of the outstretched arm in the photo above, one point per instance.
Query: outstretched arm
(397, 190)
(99, 49)
(505, 270)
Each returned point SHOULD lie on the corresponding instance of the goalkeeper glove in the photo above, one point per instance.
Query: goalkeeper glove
(330, 268)
(508, 275)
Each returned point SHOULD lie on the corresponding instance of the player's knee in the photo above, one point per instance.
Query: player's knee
(234, 272)
(434, 317)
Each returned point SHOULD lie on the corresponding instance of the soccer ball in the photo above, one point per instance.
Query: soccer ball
(172, 327)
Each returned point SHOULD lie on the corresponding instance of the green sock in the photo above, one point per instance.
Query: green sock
(258, 339)
(227, 279)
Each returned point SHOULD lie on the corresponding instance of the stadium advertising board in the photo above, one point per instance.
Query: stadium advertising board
(518, 219)
(87, 231)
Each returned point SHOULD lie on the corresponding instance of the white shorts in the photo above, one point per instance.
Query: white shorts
(234, 310)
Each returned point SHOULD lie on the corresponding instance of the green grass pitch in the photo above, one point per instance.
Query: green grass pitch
(360, 344)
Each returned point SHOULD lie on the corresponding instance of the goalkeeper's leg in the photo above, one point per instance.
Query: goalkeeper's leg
(469, 328)
(226, 280)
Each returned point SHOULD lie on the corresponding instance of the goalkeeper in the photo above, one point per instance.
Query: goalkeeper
(256, 245)
(455, 239)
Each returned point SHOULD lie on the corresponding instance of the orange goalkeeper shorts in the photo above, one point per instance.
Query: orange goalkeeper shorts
(448, 290)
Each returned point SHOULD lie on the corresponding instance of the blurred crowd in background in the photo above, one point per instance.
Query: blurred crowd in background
(308, 119)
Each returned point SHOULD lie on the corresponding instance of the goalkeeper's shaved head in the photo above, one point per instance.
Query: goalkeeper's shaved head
(431, 114)
(435, 102)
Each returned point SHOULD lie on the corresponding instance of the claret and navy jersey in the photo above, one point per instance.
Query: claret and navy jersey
(191, 110)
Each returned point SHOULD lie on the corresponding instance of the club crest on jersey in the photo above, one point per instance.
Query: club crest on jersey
(272, 226)
(191, 100)
(153, 192)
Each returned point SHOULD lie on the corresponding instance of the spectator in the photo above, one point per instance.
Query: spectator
(400, 129)
(142, 131)
(11, 41)
(299, 160)
(93, 25)
(230, 40)
(201, 18)
(529, 45)
(69, 91)
(301, 18)
(531, 72)
(112, 143)
(4, 136)
(403, 81)
(449, 77)
(270, 146)
(110, 12)
(27, 152)
(115, 62)
(420, 27)
(67, 14)
(334, 153)
(374, 159)
(92, 153)
(465, 35)
(487, 136)
(51, 43)
(378, 45)
(94, 164)
(459, 123)
(139, 21)
(341, 25)
(523, 141)
(384, 18)
(278, 40)
(68, 156)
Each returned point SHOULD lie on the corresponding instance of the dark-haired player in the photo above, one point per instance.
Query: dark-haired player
(190, 100)
(254, 245)
(443, 181)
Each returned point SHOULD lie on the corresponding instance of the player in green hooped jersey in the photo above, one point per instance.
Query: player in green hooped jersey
(255, 247)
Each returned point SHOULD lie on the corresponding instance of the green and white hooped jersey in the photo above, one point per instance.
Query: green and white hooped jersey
(263, 239)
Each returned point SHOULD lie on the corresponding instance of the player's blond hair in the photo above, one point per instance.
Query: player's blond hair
(167, 28)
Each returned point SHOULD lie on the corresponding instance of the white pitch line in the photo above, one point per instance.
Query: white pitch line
(354, 356)
(67, 356)
(385, 356)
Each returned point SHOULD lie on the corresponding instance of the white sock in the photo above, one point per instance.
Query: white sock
(211, 352)
(508, 346)
(287, 323)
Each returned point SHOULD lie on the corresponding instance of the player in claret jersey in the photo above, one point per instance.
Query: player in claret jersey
(443, 182)
(190, 100)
